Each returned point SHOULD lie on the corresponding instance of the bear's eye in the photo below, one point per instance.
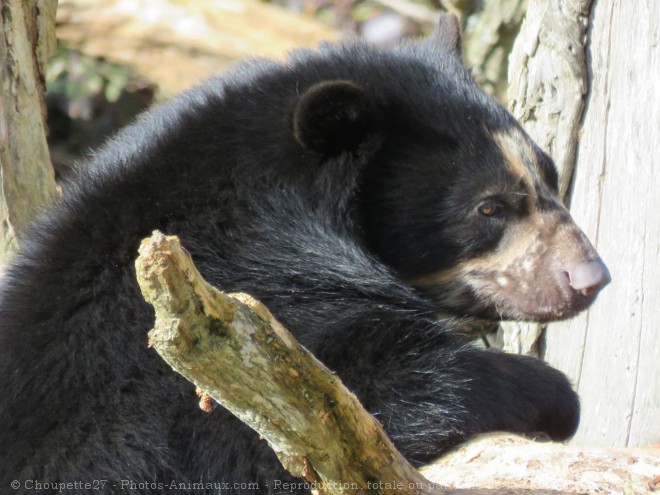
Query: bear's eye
(490, 209)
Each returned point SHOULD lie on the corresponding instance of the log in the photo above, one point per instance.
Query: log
(27, 180)
(502, 460)
(236, 352)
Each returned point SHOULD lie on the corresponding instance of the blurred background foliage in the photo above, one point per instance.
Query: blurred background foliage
(117, 57)
(89, 98)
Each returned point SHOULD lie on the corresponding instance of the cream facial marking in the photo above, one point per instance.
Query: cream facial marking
(520, 159)
(522, 241)
(525, 276)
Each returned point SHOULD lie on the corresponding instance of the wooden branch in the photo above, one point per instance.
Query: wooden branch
(232, 348)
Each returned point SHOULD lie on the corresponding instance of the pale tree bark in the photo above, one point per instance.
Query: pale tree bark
(27, 180)
(611, 352)
(234, 350)
(501, 460)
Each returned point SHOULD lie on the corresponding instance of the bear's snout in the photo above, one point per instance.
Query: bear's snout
(589, 278)
(543, 269)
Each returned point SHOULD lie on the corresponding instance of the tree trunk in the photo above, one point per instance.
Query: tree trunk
(610, 352)
(27, 181)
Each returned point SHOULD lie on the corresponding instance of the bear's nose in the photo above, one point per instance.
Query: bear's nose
(589, 278)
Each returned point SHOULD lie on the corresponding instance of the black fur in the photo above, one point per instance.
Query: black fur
(334, 116)
(322, 232)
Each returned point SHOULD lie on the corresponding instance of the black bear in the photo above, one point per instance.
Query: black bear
(374, 199)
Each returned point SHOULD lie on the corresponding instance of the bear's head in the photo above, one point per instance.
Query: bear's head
(452, 194)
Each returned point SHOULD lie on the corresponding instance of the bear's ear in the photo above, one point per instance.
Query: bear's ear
(334, 116)
(447, 34)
